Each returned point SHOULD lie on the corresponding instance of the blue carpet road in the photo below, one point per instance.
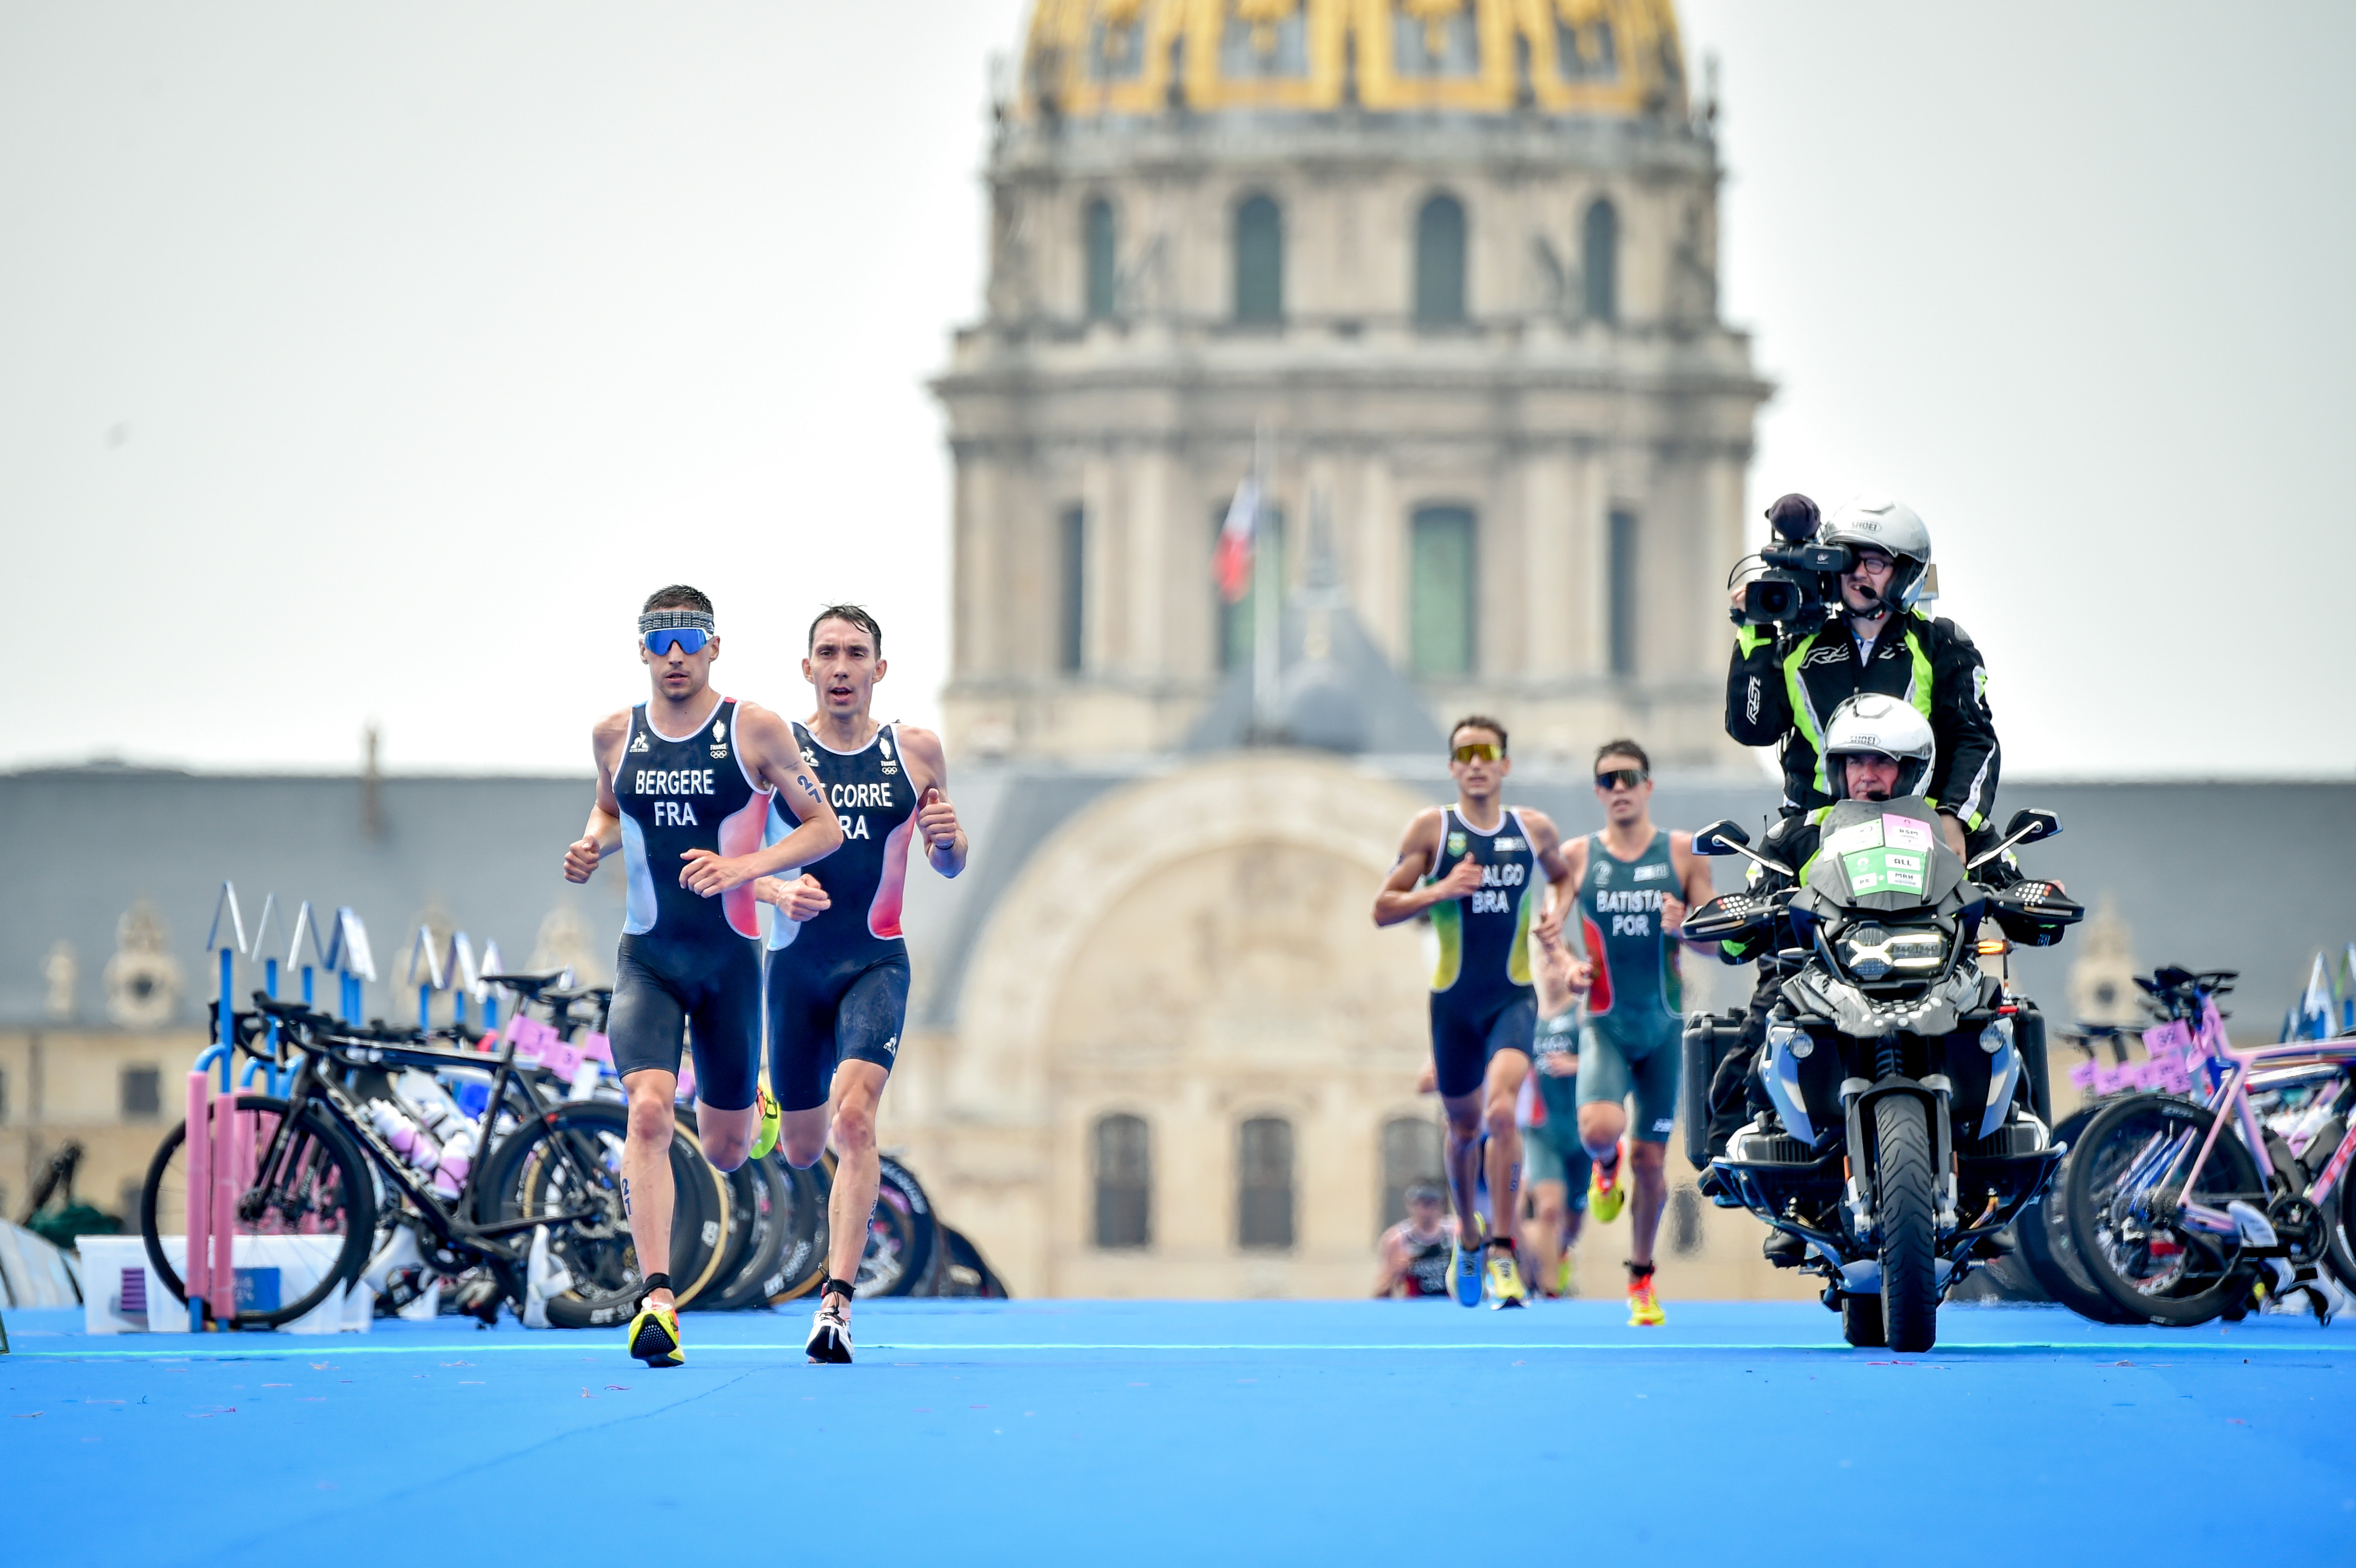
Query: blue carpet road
(1298, 1433)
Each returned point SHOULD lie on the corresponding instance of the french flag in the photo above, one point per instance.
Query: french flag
(1232, 564)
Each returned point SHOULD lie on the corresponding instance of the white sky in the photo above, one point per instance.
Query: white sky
(368, 363)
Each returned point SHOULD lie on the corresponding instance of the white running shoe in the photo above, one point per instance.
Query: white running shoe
(829, 1337)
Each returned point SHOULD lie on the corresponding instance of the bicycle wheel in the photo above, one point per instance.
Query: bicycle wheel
(2128, 1230)
(903, 1238)
(762, 1214)
(801, 1261)
(2339, 1228)
(571, 1159)
(2047, 1248)
(318, 1183)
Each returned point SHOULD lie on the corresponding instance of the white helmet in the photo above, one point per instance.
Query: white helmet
(1883, 726)
(1892, 527)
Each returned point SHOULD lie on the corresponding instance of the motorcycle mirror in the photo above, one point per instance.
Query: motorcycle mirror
(1720, 837)
(2031, 824)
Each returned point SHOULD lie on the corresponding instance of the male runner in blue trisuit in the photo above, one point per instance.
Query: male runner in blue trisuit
(1635, 883)
(684, 785)
(838, 979)
(1470, 865)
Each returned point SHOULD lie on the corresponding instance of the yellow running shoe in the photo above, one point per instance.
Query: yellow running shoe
(1644, 1306)
(654, 1337)
(1566, 1277)
(772, 1122)
(1505, 1279)
(1606, 1199)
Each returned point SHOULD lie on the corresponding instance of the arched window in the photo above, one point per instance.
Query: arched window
(1440, 261)
(1440, 590)
(1264, 1183)
(1259, 260)
(1124, 1174)
(1411, 1152)
(1099, 238)
(1601, 248)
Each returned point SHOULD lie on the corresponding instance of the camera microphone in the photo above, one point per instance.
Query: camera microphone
(1794, 516)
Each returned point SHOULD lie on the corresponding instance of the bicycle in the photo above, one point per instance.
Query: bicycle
(321, 1168)
(2183, 1226)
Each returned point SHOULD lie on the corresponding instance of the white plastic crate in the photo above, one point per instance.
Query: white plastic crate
(121, 1295)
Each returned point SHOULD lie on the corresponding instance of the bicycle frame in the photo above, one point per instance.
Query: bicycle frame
(450, 1227)
(2230, 1072)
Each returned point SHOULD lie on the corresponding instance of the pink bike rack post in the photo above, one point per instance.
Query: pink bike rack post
(195, 1148)
(225, 1194)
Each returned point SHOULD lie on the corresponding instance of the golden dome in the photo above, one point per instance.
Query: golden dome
(1615, 58)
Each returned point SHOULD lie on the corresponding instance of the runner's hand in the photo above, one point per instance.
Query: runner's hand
(1428, 1080)
(1582, 976)
(1559, 1065)
(1673, 915)
(1462, 881)
(1547, 927)
(937, 819)
(580, 859)
(797, 901)
(708, 873)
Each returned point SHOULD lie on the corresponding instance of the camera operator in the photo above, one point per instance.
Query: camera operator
(1799, 656)
(1796, 657)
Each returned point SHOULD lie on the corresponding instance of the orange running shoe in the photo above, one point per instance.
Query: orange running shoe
(1644, 1305)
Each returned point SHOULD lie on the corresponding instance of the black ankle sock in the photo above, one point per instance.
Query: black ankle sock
(1637, 1272)
(649, 1284)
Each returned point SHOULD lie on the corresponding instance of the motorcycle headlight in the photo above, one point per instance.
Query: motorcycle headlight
(1874, 953)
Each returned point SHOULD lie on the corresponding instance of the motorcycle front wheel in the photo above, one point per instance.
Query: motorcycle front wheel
(1906, 1215)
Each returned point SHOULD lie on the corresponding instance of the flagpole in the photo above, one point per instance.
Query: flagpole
(1267, 596)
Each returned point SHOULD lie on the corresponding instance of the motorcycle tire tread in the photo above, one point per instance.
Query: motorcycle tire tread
(1907, 1220)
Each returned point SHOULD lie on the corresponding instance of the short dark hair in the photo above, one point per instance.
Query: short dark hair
(1624, 747)
(1478, 721)
(857, 615)
(678, 596)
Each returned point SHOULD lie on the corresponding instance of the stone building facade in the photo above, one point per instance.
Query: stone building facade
(1456, 259)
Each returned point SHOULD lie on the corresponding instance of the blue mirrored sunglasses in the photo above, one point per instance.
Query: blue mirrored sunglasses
(688, 639)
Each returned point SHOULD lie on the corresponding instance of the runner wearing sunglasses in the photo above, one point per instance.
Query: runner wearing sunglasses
(838, 978)
(1472, 869)
(1635, 883)
(684, 785)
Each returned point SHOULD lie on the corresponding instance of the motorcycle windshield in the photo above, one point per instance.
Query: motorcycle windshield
(1882, 855)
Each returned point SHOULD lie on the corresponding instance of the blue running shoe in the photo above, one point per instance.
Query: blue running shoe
(1464, 1270)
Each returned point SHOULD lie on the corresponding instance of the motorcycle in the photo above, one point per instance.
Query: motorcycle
(1902, 1132)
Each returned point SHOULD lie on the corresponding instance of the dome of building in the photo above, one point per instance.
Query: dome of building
(1592, 58)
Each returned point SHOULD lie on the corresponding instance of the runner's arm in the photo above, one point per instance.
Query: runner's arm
(1562, 887)
(603, 835)
(945, 841)
(774, 760)
(1402, 898)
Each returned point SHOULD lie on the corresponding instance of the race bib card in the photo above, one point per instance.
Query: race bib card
(1866, 835)
(1906, 833)
(1883, 870)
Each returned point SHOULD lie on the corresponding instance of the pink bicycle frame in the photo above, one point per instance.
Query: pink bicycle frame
(2228, 1073)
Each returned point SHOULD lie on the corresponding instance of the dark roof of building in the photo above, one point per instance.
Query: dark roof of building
(2251, 876)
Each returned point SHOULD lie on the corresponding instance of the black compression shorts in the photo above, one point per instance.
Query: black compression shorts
(822, 1015)
(715, 989)
(1463, 1037)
